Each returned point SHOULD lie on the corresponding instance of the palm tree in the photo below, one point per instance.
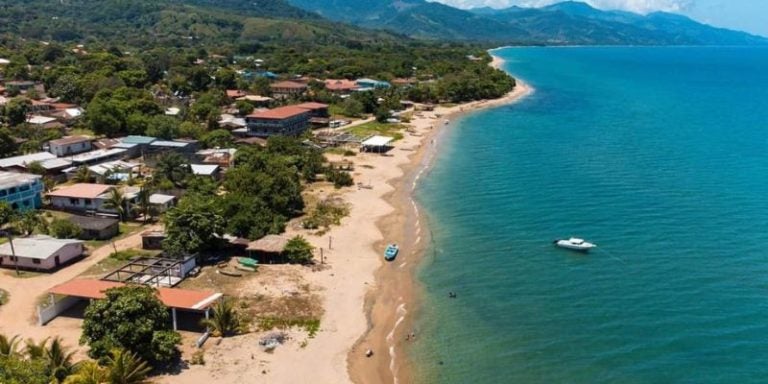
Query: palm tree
(116, 201)
(125, 367)
(8, 346)
(35, 350)
(87, 372)
(59, 360)
(83, 174)
(172, 167)
(28, 222)
(144, 206)
(225, 320)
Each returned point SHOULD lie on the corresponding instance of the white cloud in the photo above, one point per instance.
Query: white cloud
(639, 6)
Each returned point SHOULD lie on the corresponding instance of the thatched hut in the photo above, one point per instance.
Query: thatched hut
(269, 249)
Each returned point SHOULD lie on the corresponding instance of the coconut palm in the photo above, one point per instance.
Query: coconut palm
(116, 201)
(28, 222)
(225, 319)
(59, 360)
(125, 367)
(35, 350)
(83, 174)
(144, 207)
(8, 346)
(87, 372)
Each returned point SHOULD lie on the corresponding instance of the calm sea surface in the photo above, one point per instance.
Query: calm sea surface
(658, 155)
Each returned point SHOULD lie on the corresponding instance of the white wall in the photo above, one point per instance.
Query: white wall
(66, 254)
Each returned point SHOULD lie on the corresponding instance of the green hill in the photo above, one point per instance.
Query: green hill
(568, 23)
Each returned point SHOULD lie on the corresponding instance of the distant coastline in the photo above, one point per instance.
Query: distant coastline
(393, 304)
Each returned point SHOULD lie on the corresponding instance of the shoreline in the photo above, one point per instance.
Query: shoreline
(392, 307)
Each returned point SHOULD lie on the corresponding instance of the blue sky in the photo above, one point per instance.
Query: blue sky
(745, 15)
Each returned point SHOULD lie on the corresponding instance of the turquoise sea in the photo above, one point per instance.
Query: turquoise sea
(658, 155)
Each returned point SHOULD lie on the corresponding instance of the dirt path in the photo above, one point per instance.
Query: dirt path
(19, 315)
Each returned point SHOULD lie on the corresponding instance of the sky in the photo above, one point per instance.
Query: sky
(745, 15)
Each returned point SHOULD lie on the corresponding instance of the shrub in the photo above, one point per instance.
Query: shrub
(64, 229)
(298, 251)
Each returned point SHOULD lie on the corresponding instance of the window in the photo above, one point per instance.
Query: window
(88, 202)
(3, 193)
(74, 201)
(35, 261)
(24, 188)
(26, 203)
(12, 190)
(14, 258)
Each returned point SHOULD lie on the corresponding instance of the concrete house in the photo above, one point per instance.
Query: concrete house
(287, 121)
(42, 253)
(21, 191)
(286, 89)
(81, 197)
(96, 228)
(70, 145)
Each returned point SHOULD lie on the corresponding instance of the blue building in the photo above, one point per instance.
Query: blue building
(22, 191)
(370, 84)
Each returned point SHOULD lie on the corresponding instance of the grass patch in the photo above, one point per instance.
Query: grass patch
(376, 128)
(82, 132)
(326, 213)
(3, 296)
(311, 325)
(341, 152)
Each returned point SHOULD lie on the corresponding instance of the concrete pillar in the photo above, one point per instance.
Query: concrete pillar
(173, 313)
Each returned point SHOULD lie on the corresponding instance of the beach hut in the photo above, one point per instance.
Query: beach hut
(269, 249)
(378, 144)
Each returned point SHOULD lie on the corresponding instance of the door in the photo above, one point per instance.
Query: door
(57, 261)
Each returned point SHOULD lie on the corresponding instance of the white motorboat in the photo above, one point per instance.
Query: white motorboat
(575, 244)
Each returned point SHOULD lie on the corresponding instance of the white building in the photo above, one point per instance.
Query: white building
(42, 253)
(71, 145)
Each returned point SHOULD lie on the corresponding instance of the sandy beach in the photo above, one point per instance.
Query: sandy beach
(367, 303)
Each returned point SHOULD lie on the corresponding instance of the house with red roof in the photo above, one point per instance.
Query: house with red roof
(287, 121)
(286, 89)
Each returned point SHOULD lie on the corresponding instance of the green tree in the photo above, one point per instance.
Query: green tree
(28, 222)
(64, 229)
(133, 318)
(225, 319)
(194, 225)
(243, 107)
(59, 360)
(143, 204)
(117, 202)
(16, 110)
(82, 175)
(8, 145)
(172, 167)
(126, 367)
(298, 251)
(220, 138)
(8, 345)
(88, 372)
(163, 127)
(352, 107)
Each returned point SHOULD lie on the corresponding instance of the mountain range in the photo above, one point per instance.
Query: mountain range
(566, 23)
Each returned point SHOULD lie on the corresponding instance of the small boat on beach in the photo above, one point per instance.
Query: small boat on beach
(391, 252)
(575, 244)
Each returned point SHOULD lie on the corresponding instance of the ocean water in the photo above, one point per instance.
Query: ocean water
(658, 155)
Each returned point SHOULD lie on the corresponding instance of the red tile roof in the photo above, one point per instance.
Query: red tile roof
(288, 84)
(279, 113)
(171, 297)
(340, 85)
(81, 191)
(312, 106)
